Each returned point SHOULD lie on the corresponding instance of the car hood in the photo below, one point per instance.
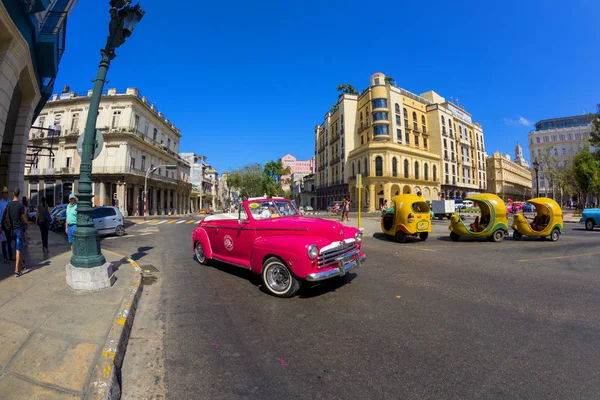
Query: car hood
(331, 230)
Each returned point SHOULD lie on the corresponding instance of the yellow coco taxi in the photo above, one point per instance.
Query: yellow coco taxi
(408, 216)
(548, 221)
(491, 224)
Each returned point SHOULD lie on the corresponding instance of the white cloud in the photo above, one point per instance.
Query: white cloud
(521, 121)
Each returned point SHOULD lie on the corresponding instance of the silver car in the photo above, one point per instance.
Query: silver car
(108, 221)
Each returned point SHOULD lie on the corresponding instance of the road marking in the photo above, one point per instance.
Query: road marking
(154, 221)
(191, 221)
(143, 222)
(180, 222)
(433, 251)
(147, 233)
(171, 221)
(560, 257)
(162, 222)
(118, 237)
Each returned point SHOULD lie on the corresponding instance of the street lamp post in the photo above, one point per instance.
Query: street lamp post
(86, 244)
(536, 167)
(148, 172)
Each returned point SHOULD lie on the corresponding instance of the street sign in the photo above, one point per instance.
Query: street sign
(97, 148)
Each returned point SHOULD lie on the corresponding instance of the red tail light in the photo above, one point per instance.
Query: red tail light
(411, 217)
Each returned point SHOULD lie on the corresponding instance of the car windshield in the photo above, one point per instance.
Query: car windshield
(265, 209)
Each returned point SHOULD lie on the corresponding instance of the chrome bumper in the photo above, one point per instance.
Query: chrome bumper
(339, 271)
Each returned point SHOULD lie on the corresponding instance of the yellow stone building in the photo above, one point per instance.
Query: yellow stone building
(509, 179)
(394, 139)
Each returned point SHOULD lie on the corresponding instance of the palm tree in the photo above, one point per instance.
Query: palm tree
(389, 80)
(346, 88)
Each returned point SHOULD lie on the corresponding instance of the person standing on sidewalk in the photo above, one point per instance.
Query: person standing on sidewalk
(42, 219)
(26, 205)
(4, 232)
(14, 219)
(71, 218)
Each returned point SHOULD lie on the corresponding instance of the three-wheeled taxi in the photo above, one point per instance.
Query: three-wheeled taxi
(408, 216)
(548, 221)
(491, 224)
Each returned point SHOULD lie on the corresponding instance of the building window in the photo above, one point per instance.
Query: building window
(143, 163)
(381, 130)
(365, 166)
(146, 127)
(443, 120)
(378, 166)
(414, 115)
(74, 122)
(394, 167)
(51, 165)
(405, 113)
(426, 171)
(352, 167)
(115, 118)
(132, 163)
(415, 126)
(155, 134)
(41, 122)
(423, 120)
(445, 144)
(406, 168)
(416, 170)
(406, 123)
(397, 108)
(168, 143)
(425, 142)
(379, 103)
(399, 134)
(380, 116)
(443, 130)
(398, 121)
(537, 139)
(406, 138)
(361, 117)
(69, 162)
(434, 172)
(417, 140)
(546, 139)
(376, 80)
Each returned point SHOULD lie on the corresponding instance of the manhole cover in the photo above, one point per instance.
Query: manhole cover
(149, 268)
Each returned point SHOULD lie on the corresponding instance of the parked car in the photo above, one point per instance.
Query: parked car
(590, 218)
(57, 209)
(308, 208)
(58, 220)
(269, 237)
(108, 220)
(206, 211)
(529, 207)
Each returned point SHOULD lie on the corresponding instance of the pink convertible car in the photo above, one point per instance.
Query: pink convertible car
(269, 237)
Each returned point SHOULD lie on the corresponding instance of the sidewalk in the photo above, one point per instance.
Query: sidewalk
(56, 343)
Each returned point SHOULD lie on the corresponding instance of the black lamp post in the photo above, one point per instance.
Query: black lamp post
(86, 244)
(536, 167)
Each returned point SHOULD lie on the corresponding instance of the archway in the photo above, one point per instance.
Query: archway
(406, 189)
(395, 190)
(427, 194)
(417, 189)
(379, 195)
(435, 195)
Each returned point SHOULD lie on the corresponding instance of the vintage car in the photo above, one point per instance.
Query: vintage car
(269, 237)
(590, 218)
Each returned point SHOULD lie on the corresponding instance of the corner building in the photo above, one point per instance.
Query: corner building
(395, 140)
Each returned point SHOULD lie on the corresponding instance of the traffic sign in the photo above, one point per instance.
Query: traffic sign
(97, 148)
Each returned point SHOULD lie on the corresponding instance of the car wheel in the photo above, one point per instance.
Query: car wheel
(424, 235)
(517, 235)
(555, 235)
(400, 237)
(278, 279)
(200, 256)
(454, 236)
(119, 230)
(589, 224)
(498, 236)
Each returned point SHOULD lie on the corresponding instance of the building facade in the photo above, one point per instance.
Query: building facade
(400, 143)
(136, 138)
(509, 179)
(553, 144)
(32, 39)
(298, 169)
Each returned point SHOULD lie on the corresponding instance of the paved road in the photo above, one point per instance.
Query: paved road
(424, 320)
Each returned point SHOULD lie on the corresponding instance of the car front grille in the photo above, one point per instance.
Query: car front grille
(344, 249)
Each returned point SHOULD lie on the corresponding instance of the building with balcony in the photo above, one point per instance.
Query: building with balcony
(137, 137)
(32, 39)
(509, 179)
(553, 144)
(299, 169)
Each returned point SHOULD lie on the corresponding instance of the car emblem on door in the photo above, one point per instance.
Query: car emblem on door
(228, 242)
(342, 232)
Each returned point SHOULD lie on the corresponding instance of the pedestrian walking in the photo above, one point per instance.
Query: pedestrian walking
(4, 232)
(71, 218)
(25, 236)
(14, 220)
(42, 219)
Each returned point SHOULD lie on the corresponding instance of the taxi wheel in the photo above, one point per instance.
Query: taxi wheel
(517, 235)
(498, 236)
(454, 237)
(200, 256)
(400, 237)
(589, 225)
(555, 235)
(278, 279)
(424, 235)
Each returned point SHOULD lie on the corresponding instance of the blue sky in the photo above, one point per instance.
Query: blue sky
(248, 81)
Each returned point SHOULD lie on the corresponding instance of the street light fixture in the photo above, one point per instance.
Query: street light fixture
(536, 167)
(148, 172)
(86, 244)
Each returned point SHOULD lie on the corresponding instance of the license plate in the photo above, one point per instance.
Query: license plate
(422, 225)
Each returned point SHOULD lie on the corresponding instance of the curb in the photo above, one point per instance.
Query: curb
(105, 378)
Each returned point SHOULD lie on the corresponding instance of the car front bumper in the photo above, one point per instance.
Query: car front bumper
(339, 271)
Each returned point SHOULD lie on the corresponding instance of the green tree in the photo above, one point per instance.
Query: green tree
(274, 177)
(389, 80)
(346, 88)
(247, 181)
(585, 174)
(595, 135)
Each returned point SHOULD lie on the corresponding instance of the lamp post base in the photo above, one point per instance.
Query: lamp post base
(90, 278)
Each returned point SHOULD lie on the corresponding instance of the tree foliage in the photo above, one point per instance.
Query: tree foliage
(559, 174)
(586, 174)
(346, 88)
(595, 135)
(390, 80)
(254, 180)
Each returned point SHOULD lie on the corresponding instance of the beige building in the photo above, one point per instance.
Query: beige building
(509, 179)
(400, 143)
(137, 137)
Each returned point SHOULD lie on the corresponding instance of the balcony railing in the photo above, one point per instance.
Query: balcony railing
(364, 126)
(116, 169)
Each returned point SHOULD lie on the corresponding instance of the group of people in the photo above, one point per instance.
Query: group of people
(14, 223)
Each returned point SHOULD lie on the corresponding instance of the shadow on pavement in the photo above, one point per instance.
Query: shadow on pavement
(141, 252)
(310, 290)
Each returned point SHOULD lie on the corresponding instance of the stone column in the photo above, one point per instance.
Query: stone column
(154, 193)
(371, 198)
(387, 192)
(102, 195)
(136, 203)
(176, 203)
(122, 199)
(18, 153)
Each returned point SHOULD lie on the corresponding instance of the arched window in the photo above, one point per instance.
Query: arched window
(405, 113)
(397, 108)
(426, 171)
(423, 120)
(378, 166)
(361, 116)
(394, 167)
(443, 120)
(414, 116)
(434, 173)
(406, 168)
(416, 170)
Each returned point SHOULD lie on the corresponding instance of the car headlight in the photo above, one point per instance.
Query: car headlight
(358, 236)
(313, 251)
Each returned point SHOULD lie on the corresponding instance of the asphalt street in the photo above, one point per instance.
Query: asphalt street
(422, 320)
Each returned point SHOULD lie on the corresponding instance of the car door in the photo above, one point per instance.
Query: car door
(110, 219)
(98, 219)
